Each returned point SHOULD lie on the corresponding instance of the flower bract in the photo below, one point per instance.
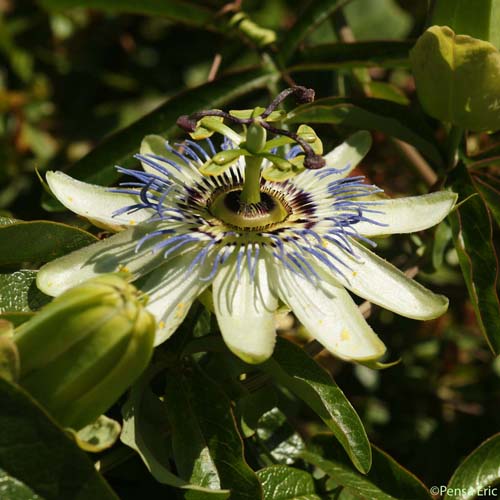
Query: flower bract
(305, 244)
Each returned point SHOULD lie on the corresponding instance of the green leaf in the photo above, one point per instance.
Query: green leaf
(39, 241)
(19, 294)
(477, 473)
(190, 13)
(98, 166)
(381, 19)
(488, 186)
(251, 407)
(207, 447)
(370, 113)
(384, 90)
(4, 221)
(13, 489)
(479, 19)
(383, 54)
(143, 414)
(387, 480)
(34, 450)
(310, 18)
(280, 482)
(280, 440)
(472, 234)
(299, 373)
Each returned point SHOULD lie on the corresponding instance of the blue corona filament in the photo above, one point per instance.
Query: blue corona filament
(178, 197)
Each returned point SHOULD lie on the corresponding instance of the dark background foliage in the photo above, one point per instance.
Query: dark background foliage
(69, 78)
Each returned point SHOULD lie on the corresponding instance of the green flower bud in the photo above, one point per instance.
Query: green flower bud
(82, 351)
(458, 78)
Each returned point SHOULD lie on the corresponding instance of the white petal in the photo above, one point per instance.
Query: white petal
(343, 158)
(113, 254)
(407, 215)
(172, 290)
(95, 202)
(374, 279)
(245, 310)
(347, 156)
(156, 145)
(330, 315)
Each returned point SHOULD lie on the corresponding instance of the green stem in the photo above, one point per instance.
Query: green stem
(251, 188)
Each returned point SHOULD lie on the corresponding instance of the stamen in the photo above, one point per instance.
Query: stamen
(298, 224)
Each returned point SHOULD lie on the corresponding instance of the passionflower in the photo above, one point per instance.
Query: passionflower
(257, 243)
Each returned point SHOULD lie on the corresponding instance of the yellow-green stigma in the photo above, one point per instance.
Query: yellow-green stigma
(229, 208)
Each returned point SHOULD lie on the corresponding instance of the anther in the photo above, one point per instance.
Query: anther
(186, 123)
(314, 162)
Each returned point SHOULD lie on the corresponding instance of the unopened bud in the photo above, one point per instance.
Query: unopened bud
(458, 79)
(82, 351)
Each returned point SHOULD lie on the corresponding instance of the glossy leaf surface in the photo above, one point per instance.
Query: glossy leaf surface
(280, 482)
(37, 452)
(293, 368)
(39, 241)
(478, 473)
(472, 233)
(207, 446)
(374, 114)
(386, 480)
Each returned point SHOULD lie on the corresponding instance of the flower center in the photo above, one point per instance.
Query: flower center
(229, 208)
